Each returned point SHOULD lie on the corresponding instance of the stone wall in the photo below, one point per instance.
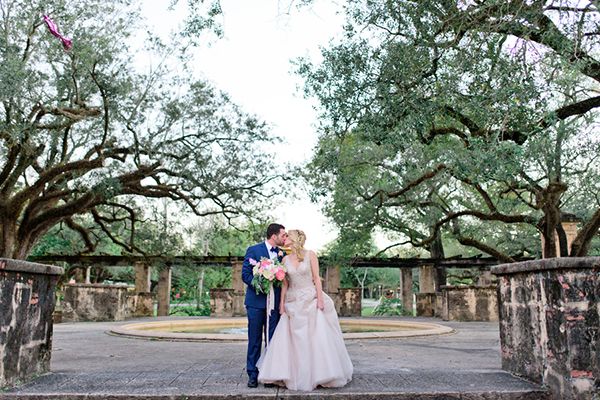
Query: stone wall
(94, 302)
(469, 303)
(27, 302)
(550, 323)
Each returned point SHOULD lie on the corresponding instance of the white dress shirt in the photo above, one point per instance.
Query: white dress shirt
(272, 254)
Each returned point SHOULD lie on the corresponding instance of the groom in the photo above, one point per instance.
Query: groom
(256, 303)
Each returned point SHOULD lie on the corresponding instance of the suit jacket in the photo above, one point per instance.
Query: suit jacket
(253, 299)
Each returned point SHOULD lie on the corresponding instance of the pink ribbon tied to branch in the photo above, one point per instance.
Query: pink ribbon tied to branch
(53, 28)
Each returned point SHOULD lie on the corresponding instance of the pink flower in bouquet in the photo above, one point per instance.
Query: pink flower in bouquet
(265, 262)
(280, 274)
(268, 274)
(252, 261)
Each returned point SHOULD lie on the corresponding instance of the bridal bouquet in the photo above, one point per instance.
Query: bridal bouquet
(267, 273)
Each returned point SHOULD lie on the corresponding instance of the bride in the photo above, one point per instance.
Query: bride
(307, 349)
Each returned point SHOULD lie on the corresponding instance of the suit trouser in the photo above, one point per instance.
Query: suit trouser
(257, 325)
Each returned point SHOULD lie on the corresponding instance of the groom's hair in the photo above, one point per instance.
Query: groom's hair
(274, 229)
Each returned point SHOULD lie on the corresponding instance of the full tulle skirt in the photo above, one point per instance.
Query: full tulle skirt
(307, 349)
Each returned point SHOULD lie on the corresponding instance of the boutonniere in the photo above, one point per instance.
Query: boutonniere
(280, 254)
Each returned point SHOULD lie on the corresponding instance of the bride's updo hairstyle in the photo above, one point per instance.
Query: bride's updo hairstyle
(298, 239)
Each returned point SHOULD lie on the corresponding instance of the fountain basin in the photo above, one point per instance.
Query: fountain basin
(214, 329)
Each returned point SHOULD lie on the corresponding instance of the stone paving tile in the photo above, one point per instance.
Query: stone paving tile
(172, 383)
(89, 364)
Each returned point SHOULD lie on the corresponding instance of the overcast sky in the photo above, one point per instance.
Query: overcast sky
(252, 64)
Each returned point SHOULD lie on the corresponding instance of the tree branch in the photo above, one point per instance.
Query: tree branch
(426, 176)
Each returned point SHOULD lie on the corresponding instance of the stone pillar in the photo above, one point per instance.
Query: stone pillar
(427, 278)
(549, 313)
(406, 283)
(332, 280)
(239, 290)
(331, 286)
(427, 288)
(142, 277)
(237, 283)
(26, 304)
(88, 275)
(164, 291)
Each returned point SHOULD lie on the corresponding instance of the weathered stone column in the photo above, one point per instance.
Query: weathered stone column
(164, 291)
(27, 299)
(237, 283)
(427, 277)
(427, 288)
(88, 275)
(142, 277)
(332, 280)
(549, 323)
(406, 283)
(239, 289)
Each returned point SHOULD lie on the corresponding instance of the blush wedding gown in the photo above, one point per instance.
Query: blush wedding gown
(307, 349)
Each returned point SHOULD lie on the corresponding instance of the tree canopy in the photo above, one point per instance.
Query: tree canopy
(87, 132)
(464, 120)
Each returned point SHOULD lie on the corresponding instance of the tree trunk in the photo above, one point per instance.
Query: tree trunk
(200, 290)
(436, 250)
(550, 206)
(8, 236)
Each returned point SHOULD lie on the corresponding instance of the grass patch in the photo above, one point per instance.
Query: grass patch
(367, 311)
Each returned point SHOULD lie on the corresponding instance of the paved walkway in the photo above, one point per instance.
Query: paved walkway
(88, 363)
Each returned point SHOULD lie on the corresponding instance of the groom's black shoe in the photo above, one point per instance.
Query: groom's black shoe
(252, 383)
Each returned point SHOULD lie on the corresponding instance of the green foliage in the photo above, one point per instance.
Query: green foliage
(61, 240)
(89, 135)
(436, 125)
(390, 307)
(191, 311)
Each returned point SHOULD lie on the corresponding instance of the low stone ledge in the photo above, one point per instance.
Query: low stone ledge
(347, 302)
(426, 304)
(95, 302)
(469, 303)
(221, 302)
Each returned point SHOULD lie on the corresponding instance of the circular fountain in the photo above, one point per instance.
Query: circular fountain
(234, 329)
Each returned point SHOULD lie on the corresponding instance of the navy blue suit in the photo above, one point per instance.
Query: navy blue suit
(256, 304)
